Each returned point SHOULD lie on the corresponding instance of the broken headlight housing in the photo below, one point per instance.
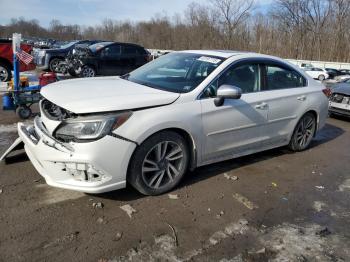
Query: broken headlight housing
(90, 128)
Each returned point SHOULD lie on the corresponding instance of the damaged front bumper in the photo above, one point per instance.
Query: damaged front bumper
(93, 167)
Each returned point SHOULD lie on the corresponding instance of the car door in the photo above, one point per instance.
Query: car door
(129, 58)
(285, 92)
(234, 128)
(110, 60)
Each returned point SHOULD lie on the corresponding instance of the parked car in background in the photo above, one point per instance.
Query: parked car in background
(306, 65)
(345, 74)
(333, 73)
(181, 111)
(6, 59)
(339, 103)
(317, 73)
(107, 58)
(50, 59)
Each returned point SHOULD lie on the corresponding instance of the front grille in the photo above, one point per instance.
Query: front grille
(54, 112)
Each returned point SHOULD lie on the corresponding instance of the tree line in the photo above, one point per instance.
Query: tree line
(296, 29)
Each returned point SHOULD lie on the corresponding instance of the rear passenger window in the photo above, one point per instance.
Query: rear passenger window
(281, 78)
(111, 51)
(130, 50)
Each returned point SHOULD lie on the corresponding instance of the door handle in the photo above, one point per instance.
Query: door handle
(301, 98)
(262, 106)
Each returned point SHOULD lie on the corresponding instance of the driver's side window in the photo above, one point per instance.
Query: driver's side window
(245, 76)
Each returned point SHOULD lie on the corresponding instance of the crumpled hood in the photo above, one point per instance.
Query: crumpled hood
(103, 94)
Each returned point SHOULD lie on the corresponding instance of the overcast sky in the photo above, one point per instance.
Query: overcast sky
(91, 12)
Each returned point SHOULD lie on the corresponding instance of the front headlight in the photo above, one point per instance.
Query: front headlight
(90, 128)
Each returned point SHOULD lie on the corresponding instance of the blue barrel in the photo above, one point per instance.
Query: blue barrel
(7, 102)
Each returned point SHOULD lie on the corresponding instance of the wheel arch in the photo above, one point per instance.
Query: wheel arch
(6, 62)
(55, 56)
(315, 114)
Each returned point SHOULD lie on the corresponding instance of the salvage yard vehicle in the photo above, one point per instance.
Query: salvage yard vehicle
(317, 73)
(50, 59)
(181, 111)
(339, 102)
(6, 59)
(107, 58)
(333, 73)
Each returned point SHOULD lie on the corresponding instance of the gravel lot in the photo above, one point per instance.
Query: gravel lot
(271, 206)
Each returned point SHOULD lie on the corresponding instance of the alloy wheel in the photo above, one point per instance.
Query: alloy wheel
(162, 164)
(54, 65)
(305, 131)
(88, 72)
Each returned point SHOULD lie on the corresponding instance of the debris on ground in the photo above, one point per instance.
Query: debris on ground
(324, 232)
(345, 185)
(284, 198)
(274, 184)
(320, 187)
(0, 190)
(318, 206)
(245, 201)
(67, 238)
(128, 209)
(118, 236)
(229, 177)
(174, 234)
(97, 205)
(173, 196)
(100, 220)
(220, 214)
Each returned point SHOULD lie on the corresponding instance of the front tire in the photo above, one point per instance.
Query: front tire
(303, 133)
(159, 163)
(54, 65)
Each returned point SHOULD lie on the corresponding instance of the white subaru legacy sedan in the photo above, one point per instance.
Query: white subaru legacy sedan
(181, 111)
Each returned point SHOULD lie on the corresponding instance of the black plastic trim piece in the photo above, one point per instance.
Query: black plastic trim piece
(123, 138)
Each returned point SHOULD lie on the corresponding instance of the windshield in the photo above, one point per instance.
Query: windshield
(175, 72)
(68, 45)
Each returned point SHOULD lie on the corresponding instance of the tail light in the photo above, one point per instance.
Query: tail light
(327, 92)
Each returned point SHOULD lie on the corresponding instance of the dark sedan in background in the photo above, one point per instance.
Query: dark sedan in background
(107, 58)
(50, 59)
(333, 72)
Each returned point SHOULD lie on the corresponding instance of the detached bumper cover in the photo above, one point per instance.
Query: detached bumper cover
(94, 167)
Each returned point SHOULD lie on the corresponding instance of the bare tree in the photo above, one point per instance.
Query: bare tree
(232, 14)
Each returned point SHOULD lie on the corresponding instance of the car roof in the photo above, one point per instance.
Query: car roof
(218, 53)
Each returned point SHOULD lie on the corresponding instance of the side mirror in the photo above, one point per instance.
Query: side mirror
(227, 92)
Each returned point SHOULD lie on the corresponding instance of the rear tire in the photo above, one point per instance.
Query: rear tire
(159, 163)
(88, 71)
(23, 112)
(303, 133)
(5, 72)
(321, 77)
